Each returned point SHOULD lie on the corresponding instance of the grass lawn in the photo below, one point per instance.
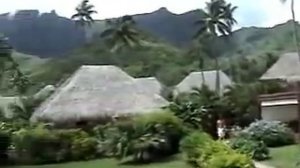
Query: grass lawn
(284, 157)
(175, 162)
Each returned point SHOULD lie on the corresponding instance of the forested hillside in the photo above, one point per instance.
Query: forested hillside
(43, 34)
(49, 35)
(169, 53)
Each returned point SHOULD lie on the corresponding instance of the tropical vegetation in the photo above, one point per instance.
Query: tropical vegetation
(187, 125)
(84, 12)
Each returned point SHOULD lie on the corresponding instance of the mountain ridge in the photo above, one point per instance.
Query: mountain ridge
(50, 35)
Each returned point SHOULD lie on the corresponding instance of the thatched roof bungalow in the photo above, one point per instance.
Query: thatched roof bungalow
(97, 92)
(149, 84)
(282, 106)
(195, 79)
(287, 68)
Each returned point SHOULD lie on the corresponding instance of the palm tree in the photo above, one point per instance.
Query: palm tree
(83, 15)
(197, 51)
(121, 33)
(218, 19)
(296, 38)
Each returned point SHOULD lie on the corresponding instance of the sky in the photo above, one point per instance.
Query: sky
(260, 13)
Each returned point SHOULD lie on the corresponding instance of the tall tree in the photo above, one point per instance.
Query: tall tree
(197, 53)
(218, 19)
(83, 15)
(121, 33)
(296, 37)
(17, 79)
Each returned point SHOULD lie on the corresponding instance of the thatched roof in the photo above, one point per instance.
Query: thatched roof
(194, 79)
(96, 92)
(149, 84)
(44, 92)
(286, 68)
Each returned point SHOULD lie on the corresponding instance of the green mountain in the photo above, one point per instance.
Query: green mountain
(163, 60)
(254, 40)
(176, 29)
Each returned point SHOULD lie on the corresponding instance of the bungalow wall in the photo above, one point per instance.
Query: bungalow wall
(279, 107)
(284, 113)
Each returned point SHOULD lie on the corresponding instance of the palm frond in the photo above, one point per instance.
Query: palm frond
(107, 33)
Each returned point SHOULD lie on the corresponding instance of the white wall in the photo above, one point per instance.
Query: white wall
(280, 113)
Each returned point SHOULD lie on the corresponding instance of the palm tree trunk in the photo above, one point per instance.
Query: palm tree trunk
(217, 76)
(203, 77)
(202, 71)
(296, 37)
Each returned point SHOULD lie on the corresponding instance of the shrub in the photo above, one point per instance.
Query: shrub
(28, 144)
(81, 145)
(257, 150)
(56, 145)
(232, 160)
(201, 151)
(144, 137)
(272, 133)
(192, 146)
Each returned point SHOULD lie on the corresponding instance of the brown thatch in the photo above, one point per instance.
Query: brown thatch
(149, 84)
(96, 92)
(44, 92)
(287, 68)
(195, 80)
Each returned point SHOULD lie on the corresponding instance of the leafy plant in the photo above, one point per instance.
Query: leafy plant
(121, 33)
(57, 145)
(83, 15)
(143, 138)
(199, 109)
(257, 150)
(272, 133)
(192, 146)
(233, 160)
(202, 151)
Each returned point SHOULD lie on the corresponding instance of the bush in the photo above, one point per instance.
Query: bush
(234, 160)
(28, 144)
(192, 146)
(79, 143)
(144, 137)
(257, 150)
(56, 145)
(201, 151)
(272, 133)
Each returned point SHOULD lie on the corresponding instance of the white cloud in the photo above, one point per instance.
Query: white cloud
(249, 13)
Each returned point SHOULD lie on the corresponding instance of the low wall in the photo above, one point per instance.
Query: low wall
(284, 113)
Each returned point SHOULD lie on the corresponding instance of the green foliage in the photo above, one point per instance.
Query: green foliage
(57, 145)
(144, 138)
(199, 109)
(203, 152)
(192, 145)
(218, 18)
(257, 150)
(272, 133)
(121, 33)
(241, 100)
(83, 15)
(248, 69)
(234, 160)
